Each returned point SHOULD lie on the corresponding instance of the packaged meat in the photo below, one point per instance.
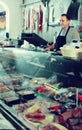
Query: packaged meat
(26, 94)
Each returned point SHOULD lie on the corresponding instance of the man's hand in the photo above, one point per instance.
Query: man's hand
(49, 47)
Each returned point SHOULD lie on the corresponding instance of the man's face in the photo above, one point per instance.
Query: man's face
(64, 22)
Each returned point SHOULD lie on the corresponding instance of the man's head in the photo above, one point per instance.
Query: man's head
(64, 21)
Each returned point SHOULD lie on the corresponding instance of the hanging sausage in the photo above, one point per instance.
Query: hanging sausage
(40, 19)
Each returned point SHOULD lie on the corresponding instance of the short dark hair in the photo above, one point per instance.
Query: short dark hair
(67, 16)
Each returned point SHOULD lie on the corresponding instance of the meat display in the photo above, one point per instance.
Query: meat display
(53, 126)
(50, 126)
(71, 119)
(36, 116)
(39, 101)
(4, 89)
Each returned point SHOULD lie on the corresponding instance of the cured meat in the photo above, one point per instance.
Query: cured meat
(1, 84)
(36, 116)
(20, 108)
(4, 89)
(71, 119)
(51, 14)
(11, 100)
(50, 127)
(40, 19)
(77, 112)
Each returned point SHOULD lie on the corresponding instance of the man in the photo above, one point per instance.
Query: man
(66, 35)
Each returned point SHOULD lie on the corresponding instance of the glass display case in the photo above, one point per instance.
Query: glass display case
(31, 92)
(31, 63)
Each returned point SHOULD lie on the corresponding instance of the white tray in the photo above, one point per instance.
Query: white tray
(72, 53)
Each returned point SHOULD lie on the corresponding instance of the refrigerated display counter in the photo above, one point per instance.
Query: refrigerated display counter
(32, 93)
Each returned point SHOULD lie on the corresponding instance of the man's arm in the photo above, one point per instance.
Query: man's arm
(73, 34)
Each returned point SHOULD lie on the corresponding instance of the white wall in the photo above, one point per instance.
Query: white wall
(13, 20)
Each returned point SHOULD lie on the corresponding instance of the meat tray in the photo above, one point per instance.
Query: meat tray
(26, 94)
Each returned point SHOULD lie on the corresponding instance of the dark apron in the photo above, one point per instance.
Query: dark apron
(60, 40)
